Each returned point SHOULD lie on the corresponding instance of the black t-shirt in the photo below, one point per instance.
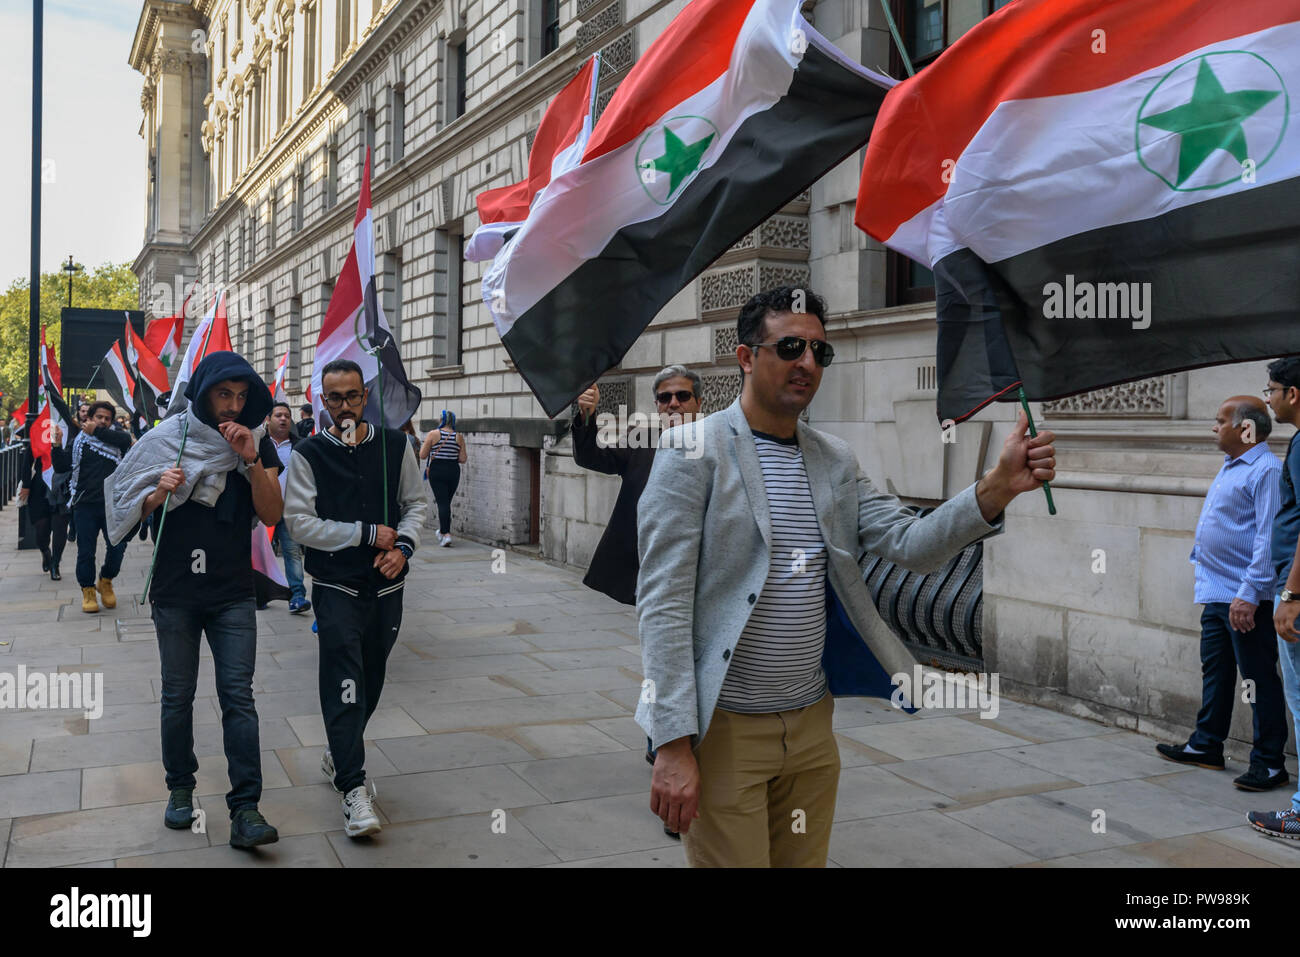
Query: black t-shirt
(204, 562)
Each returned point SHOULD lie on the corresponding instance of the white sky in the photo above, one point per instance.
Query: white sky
(95, 207)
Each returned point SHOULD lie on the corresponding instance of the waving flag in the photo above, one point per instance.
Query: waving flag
(54, 411)
(354, 317)
(557, 148)
(162, 336)
(211, 335)
(269, 582)
(20, 414)
(277, 388)
(115, 372)
(1106, 190)
(152, 389)
(734, 110)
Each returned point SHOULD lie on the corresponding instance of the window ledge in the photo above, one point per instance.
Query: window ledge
(445, 372)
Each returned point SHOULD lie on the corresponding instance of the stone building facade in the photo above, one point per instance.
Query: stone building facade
(257, 115)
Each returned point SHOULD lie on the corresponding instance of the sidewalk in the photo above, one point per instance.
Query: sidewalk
(505, 738)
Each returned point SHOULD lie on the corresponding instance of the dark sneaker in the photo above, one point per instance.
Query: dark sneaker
(180, 809)
(1175, 753)
(1276, 823)
(249, 829)
(1258, 779)
(298, 605)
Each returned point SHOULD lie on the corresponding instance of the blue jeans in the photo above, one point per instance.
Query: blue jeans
(291, 551)
(232, 636)
(1288, 654)
(90, 524)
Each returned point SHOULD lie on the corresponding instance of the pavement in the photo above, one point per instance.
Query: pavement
(505, 738)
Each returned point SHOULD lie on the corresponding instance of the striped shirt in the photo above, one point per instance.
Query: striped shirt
(446, 448)
(1232, 553)
(777, 665)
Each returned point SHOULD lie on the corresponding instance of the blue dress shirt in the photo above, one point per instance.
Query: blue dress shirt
(1233, 554)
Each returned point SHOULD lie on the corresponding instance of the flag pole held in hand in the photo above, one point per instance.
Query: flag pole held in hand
(1047, 488)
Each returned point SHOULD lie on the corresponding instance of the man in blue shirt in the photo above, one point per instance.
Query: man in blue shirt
(1283, 394)
(1235, 582)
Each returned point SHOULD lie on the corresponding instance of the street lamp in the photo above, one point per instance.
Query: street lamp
(71, 268)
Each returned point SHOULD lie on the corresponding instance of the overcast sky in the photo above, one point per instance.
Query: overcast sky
(94, 209)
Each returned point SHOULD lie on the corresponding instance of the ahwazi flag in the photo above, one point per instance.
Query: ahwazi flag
(732, 112)
(115, 372)
(355, 325)
(152, 389)
(1106, 190)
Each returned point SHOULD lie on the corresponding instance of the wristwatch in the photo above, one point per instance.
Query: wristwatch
(1289, 595)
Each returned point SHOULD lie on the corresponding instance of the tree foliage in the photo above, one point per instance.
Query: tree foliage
(110, 286)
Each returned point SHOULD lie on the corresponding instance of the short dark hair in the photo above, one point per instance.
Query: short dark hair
(95, 406)
(749, 325)
(276, 405)
(306, 407)
(342, 365)
(1285, 372)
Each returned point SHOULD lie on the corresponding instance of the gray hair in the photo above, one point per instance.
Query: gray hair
(672, 372)
(1263, 424)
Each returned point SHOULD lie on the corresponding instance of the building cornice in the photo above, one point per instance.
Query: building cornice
(146, 29)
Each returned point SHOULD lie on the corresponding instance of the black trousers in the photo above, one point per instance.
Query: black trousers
(444, 476)
(1224, 652)
(356, 636)
(52, 535)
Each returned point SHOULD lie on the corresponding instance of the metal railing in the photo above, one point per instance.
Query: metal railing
(939, 615)
(10, 458)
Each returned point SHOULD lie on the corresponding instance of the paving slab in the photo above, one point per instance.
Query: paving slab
(587, 776)
(50, 840)
(1044, 826)
(918, 839)
(566, 740)
(982, 776)
(453, 749)
(1093, 760)
(39, 793)
(931, 738)
(464, 841)
(1192, 850)
(384, 723)
(299, 850)
(434, 794)
(873, 791)
(596, 827)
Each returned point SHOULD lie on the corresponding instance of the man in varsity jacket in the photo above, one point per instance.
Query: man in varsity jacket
(334, 507)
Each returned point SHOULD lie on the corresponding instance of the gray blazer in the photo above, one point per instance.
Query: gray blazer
(704, 537)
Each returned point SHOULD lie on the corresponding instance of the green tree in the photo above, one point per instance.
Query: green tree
(110, 286)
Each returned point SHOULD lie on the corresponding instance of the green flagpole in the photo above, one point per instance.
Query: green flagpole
(911, 71)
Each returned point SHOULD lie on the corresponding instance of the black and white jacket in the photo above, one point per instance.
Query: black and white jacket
(333, 504)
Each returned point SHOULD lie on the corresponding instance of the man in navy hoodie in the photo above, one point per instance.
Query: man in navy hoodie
(203, 576)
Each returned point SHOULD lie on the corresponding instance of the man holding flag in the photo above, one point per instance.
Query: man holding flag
(214, 469)
(96, 454)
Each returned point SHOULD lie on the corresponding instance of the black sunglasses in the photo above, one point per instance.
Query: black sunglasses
(789, 348)
(683, 396)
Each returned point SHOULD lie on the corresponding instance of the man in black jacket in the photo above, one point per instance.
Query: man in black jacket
(338, 508)
(95, 454)
(203, 577)
(614, 565)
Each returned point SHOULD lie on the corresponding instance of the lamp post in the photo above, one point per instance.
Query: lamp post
(71, 268)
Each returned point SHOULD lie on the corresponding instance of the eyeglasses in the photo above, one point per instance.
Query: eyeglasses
(789, 348)
(682, 395)
(336, 399)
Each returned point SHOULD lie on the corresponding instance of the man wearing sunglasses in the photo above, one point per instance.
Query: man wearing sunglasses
(614, 564)
(751, 604)
(357, 534)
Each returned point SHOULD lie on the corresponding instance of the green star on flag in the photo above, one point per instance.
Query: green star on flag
(680, 159)
(1211, 121)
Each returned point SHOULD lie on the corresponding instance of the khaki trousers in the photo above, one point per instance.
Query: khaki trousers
(767, 789)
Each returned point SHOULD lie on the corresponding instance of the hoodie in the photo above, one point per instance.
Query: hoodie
(204, 557)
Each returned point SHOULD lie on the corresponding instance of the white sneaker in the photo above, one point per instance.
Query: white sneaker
(444, 540)
(359, 814)
(327, 769)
